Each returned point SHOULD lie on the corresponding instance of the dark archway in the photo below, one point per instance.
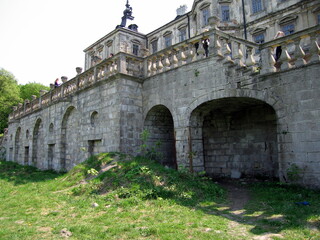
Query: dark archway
(159, 123)
(239, 138)
(17, 143)
(68, 144)
(37, 143)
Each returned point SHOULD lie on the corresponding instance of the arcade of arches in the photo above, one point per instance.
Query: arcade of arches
(230, 137)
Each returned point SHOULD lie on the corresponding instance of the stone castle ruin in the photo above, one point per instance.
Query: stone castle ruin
(206, 85)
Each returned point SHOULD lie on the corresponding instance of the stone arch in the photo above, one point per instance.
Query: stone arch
(37, 144)
(51, 128)
(273, 101)
(68, 145)
(17, 145)
(94, 119)
(235, 137)
(159, 123)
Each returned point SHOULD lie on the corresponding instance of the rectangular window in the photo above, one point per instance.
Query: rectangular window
(135, 49)
(205, 16)
(288, 28)
(26, 155)
(258, 38)
(256, 6)
(225, 14)
(154, 46)
(168, 40)
(183, 34)
(318, 18)
(50, 155)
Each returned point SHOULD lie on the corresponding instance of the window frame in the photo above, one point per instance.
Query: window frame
(205, 13)
(286, 25)
(182, 34)
(167, 40)
(154, 45)
(257, 6)
(135, 49)
(223, 18)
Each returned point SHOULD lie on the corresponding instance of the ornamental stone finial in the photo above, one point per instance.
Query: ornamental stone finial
(127, 14)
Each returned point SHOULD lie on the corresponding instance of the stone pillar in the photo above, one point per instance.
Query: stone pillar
(267, 61)
(182, 146)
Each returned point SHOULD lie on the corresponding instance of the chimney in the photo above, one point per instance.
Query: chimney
(182, 10)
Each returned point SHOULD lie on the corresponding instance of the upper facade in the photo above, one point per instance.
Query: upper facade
(254, 20)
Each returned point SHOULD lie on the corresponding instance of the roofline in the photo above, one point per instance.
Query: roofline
(112, 33)
(171, 22)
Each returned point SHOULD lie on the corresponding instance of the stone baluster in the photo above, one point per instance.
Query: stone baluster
(238, 55)
(99, 73)
(96, 70)
(314, 49)
(154, 66)
(175, 60)
(299, 54)
(227, 52)
(285, 58)
(217, 48)
(110, 68)
(106, 69)
(183, 57)
(25, 106)
(14, 108)
(267, 61)
(149, 71)
(191, 53)
(159, 63)
(166, 61)
(201, 51)
(250, 62)
(20, 109)
(115, 66)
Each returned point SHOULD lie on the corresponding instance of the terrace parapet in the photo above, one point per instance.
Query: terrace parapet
(298, 49)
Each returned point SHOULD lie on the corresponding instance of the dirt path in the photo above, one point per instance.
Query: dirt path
(238, 194)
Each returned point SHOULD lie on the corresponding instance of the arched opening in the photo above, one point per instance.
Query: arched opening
(94, 119)
(69, 144)
(17, 142)
(159, 124)
(236, 137)
(37, 143)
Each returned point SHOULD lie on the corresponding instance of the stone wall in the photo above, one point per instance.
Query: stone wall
(228, 120)
(212, 109)
(67, 132)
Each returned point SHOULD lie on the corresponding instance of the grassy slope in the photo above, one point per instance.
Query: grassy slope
(139, 199)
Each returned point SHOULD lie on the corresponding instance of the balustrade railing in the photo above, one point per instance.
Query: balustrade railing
(298, 49)
(120, 63)
(213, 43)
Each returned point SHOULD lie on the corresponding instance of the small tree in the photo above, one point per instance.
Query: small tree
(29, 89)
(9, 96)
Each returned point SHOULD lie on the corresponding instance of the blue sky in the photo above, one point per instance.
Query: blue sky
(41, 40)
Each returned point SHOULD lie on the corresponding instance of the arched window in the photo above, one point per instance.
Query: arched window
(94, 118)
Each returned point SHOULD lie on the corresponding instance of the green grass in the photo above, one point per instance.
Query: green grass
(140, 199)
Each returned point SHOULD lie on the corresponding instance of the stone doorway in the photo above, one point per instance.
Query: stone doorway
(17, 143)
(236, 137)
(37, 142)
(159, 123)
(69, 135)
